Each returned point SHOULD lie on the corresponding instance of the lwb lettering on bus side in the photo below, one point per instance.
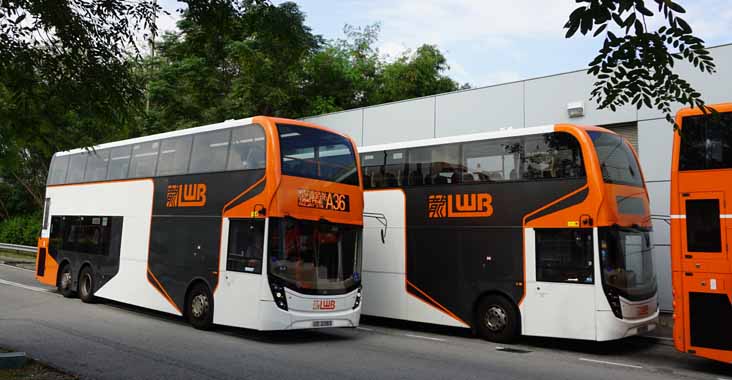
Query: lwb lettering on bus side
(189, 195)
(472, 205)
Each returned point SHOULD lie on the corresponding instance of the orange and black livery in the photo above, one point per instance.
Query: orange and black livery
(490, 218)
(701, 229)
(195, 206)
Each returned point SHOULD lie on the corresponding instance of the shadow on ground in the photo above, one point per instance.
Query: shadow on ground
(270, 337)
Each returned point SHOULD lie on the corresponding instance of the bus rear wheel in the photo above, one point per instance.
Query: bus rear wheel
(65, 282)
(86, 285)
(199, 307)
(497, 319)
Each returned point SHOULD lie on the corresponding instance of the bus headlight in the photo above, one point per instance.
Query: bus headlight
(279, 295)
(614, 301)
(357, 303)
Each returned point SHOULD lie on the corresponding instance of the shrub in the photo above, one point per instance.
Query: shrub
(21, 229)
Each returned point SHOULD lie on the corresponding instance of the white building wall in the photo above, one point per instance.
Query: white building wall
(541, 101)
(498, 107)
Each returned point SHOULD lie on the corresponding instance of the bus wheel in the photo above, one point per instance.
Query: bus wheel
(199, 307)
(497, 320)
(86, 285)
(64, 283)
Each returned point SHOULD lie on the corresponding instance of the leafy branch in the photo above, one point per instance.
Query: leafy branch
(637, 67)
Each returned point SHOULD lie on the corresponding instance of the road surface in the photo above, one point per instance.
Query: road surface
(113, 341)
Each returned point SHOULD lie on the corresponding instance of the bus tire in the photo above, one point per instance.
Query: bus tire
(65, 282)
(199, 307)
(497, 319)
(86, 285)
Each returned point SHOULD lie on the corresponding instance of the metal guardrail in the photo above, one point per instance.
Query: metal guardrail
(18, 248)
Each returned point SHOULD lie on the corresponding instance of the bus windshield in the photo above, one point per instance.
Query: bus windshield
(617, 161)
(315, 257)
(627, 262)
(314, 153)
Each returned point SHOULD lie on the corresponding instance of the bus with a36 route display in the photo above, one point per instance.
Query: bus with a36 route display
(253, 223)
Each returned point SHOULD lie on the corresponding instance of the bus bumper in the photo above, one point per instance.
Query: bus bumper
(274, 318)
(609, 327)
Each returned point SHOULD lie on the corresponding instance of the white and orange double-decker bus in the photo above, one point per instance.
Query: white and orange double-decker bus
(701, 184)
(253, 223)
(539, 231)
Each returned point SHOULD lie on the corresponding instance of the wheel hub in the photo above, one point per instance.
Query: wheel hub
(495, 318)
(199, 305)
(66, 280)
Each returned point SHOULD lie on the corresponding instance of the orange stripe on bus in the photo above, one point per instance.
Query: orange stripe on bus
(437, 305)
(162, 291)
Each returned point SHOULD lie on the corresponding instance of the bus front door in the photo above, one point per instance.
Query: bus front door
(560, 290)
(241, 280)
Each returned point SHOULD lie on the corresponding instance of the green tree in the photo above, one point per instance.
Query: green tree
(416, 74)
(66, 79)
(637, 67)
(230, 60)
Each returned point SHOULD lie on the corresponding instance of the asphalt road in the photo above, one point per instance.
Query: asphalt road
(113, 341)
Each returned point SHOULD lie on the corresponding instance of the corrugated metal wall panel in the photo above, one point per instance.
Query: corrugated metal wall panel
(629, 131)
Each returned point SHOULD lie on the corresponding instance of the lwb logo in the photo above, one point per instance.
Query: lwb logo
(473, 205)
(324, 304)
(191, 195)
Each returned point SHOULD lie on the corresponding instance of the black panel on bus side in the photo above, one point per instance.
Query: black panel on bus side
(185, 236)
(709, 322)
(95, 240)
(455, 260)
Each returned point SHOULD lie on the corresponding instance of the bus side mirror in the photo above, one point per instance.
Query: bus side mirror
(586, 221)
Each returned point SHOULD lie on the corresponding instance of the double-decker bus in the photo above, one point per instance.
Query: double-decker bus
(701, 184)
(539, 231)
(253, 223)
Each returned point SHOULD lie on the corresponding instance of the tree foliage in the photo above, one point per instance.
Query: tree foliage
(72, 74)
(66, 79)
(637, 67)
(257, 58)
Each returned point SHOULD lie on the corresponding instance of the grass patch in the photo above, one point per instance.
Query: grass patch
(34, 370)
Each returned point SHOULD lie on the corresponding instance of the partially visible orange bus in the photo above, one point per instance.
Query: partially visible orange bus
(701, 228)
(251, 223)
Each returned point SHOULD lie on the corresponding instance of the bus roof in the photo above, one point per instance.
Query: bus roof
(165, 135)
(460, 138)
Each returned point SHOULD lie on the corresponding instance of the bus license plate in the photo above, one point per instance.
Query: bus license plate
(322, 323)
